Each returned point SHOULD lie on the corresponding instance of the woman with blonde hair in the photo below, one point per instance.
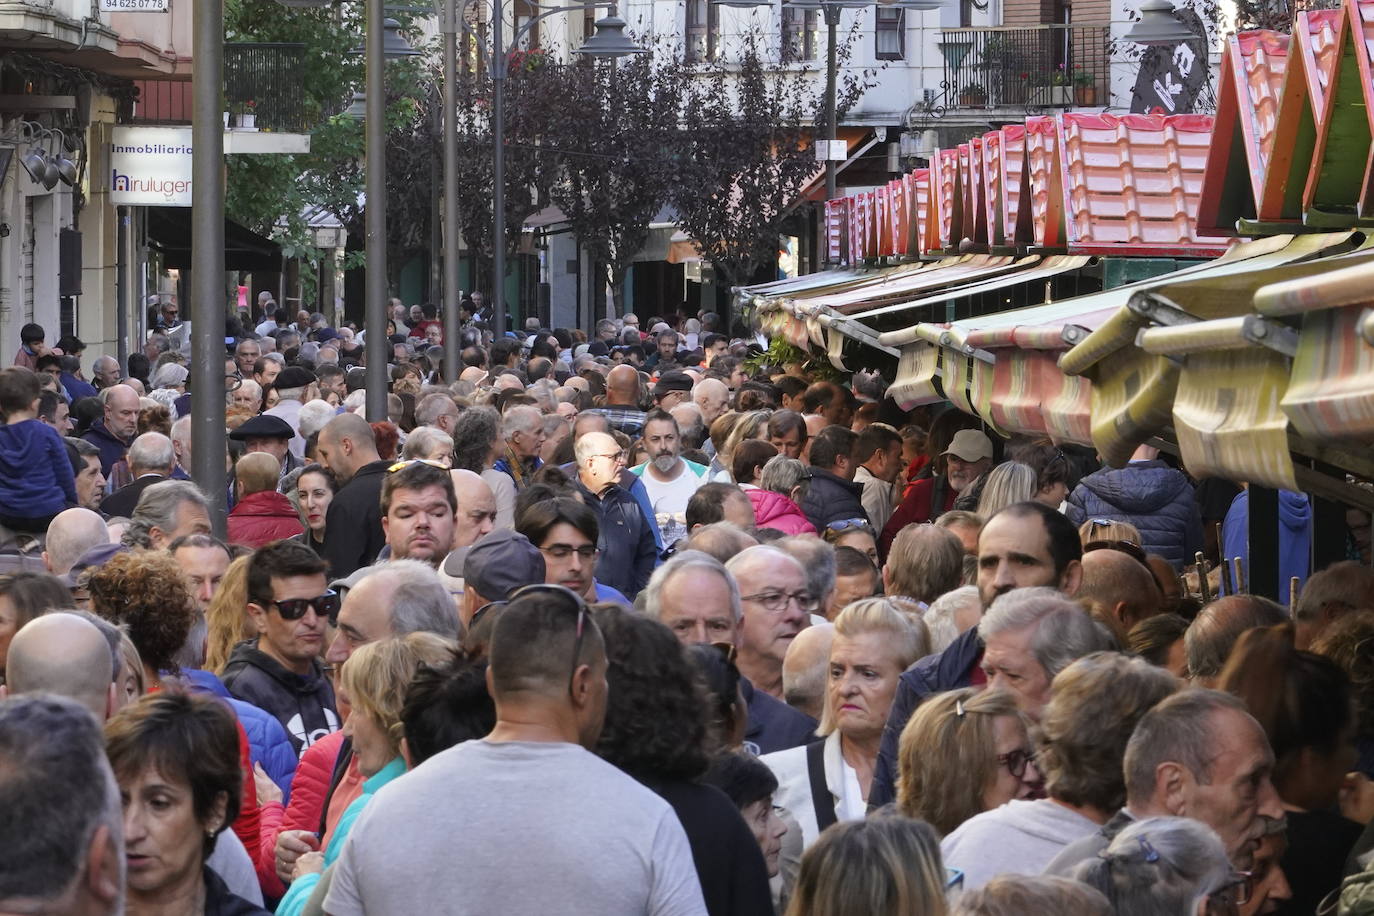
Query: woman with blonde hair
(227, 621)
(1010, 482)
(883, 866)
(752, 424)
(962, 753)
(874, 643)
(373, 683)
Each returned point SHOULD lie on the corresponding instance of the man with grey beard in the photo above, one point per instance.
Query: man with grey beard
(669, 479)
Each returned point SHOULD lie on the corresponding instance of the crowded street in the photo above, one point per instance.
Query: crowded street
(490, 462)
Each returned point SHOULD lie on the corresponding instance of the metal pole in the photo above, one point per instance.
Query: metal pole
(450, 237)
(375, 316)
(207, 258)
(122, 234)
(832, 22)
(498, 171)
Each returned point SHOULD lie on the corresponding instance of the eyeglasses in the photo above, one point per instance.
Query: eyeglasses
(727, 651)
(562, 592)
(1016, 761)
(563, 551)
(1236, 892)
(954, 878)
(618, 457)
(326, 605)
(846, 524)
(233, 382)
(402, 465)
(775, 601)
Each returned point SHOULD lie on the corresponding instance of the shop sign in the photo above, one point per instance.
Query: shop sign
(151, 166)
(134, 6)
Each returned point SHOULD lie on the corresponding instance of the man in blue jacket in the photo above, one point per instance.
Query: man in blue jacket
(116, 427)
(628, 552)
(1025, 544)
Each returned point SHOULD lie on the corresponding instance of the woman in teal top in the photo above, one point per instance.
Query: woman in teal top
(373, 682)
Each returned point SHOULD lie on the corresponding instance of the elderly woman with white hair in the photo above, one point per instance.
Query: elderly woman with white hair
(1166, 866)
(874, 643)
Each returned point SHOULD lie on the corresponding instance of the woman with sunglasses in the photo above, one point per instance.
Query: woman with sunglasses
(962, 753)
(856, 533)
(656, 731)
(874, 643)
(1172, 865)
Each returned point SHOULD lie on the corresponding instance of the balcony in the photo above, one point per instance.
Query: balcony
(1026, 70)
(269, 75)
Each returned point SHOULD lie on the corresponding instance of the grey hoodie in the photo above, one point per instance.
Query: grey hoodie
(1021, 837)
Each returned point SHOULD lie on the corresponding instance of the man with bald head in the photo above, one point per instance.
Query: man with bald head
(712, 398)
(1118, 590)
(353, 524)
(151, 459)
(622, 401)
(476, 508)
(628, 549)
(1212, 635)
(115, 429)
(72, 533)
(392, 599)
(777, 605)
(63, 654)
(806, 668)
(105, 372)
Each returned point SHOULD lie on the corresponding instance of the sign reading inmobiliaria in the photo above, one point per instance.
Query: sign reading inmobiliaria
(151, 166)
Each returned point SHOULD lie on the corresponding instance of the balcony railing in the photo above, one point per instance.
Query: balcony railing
(1026, 69)
(268, 75)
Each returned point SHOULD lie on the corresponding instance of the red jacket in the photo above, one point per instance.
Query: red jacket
(309, 791)
(261, 518)
(916, 508)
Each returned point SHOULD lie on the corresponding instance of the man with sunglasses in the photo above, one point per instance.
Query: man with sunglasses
(526, 820)
(289, 604)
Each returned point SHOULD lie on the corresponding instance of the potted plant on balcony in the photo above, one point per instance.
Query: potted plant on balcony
(1084, 88)
(1051, 90)
(247, 115)
(973, 95)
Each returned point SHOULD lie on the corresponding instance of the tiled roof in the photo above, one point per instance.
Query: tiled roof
(1132, 181)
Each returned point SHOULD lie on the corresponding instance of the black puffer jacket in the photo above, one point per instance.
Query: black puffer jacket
(831, 498)
(1154, 497)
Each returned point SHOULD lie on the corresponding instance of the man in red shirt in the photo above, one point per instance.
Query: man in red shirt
(968, 457)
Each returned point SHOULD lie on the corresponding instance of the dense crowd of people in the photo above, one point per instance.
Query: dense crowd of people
(638, 622)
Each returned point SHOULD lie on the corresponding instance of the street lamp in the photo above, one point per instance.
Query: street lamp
(1158, 26)
(607, 41)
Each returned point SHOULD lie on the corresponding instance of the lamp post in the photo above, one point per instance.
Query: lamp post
(608, 41)
(449, 26)
(382, 40)
(207, 258)
(1158, 26)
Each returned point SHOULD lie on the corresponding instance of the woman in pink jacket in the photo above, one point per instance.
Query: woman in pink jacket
(777, 499)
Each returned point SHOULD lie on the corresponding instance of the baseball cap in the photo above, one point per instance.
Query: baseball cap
(969, 445)
(501, 562)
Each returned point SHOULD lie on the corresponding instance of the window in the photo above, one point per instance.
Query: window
(800, 34)
(470, 54)
(889, 33)
(703, 31)
(524, 11)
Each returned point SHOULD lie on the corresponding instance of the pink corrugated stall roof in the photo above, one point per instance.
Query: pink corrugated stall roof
(1339, 183)
(1044, 192)
(1311, 60)
(945, 200)
(1016, 221)
(1131, 183)
(1252, 68)
(994, 204)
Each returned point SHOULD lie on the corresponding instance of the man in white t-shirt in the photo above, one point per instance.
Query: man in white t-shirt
(525, 822)
(669, 479)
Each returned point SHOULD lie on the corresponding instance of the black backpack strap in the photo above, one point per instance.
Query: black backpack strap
(821, 799)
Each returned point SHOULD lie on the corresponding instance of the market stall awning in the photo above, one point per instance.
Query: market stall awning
(169, 232)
